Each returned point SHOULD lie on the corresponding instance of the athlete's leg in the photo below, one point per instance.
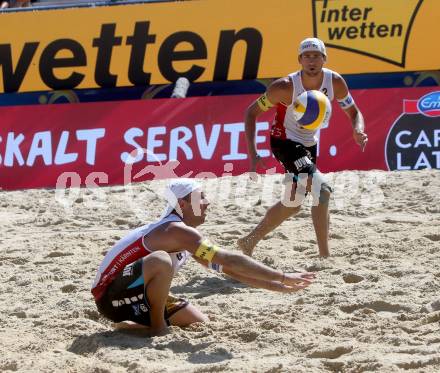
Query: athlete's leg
(274, 216)
(188, 315)
(157, 271)
(184, 317)
(321, 222)
(157, 274)
(152, 277)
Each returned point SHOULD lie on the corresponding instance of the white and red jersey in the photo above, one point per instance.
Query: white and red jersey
(128, 250)
(285, 126)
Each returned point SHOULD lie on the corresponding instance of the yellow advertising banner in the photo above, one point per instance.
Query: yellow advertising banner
(378, 29)
(210, 40)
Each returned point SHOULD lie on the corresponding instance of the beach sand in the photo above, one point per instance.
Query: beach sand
(375, 305)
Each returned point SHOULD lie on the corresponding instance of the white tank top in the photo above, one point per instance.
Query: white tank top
(294, 131)
(129, 249)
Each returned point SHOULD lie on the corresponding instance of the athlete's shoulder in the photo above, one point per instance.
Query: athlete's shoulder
(335, 75)
(281, 83)
(339, 85)
(173, 236)
(172, 227)
(280, 90)
(180, 231)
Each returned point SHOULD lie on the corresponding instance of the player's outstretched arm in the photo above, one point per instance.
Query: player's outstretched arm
(280, 286)
(350, 108)
(298, 281)
(237, 265)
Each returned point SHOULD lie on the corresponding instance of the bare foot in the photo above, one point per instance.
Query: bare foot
(129, 325)
(246, 245)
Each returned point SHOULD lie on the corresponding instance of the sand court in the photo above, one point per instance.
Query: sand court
(375, 305)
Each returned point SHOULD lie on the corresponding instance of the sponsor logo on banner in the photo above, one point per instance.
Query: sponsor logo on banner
(121, 143)
(132, 45)
(413, 142)
(145, 44)
(429, 104)
(367, 27)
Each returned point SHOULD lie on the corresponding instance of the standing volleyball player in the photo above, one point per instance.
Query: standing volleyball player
(295, 147)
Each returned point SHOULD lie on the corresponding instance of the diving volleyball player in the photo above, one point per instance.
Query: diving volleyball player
(134, 278)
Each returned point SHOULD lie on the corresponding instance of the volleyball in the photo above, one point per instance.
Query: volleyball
(312, 109)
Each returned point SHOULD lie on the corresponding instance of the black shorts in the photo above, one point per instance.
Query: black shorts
(126, 298)
(295, 157)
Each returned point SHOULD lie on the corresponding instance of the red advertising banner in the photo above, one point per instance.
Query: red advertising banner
(119, 142)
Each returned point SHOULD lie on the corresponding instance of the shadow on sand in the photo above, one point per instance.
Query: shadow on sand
(199, 352)
(203, 287)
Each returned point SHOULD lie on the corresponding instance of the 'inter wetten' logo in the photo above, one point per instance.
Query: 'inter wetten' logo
(375, 28)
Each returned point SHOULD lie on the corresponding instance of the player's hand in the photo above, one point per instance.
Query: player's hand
(256, 161)
(302, 279)
(360, 138)
(297, 281)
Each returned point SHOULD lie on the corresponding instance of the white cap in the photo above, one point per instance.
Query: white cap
(178, 188)
(312, 45)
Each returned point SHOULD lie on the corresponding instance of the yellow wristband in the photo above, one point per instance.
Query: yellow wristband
(264, 103)
(206, 251)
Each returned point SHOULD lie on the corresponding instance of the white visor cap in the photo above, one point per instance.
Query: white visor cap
(312, 45)
(178, 188)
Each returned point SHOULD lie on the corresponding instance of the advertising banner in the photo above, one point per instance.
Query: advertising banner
(210, 40)
(127, 141)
